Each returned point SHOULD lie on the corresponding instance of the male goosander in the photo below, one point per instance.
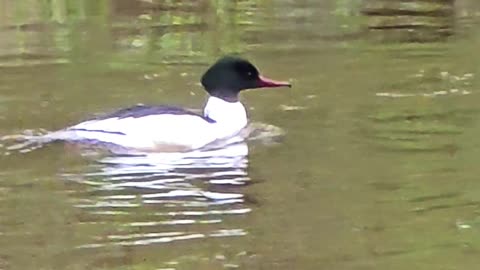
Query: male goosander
(174, 129)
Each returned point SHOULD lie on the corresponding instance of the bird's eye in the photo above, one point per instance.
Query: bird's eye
(250, 74)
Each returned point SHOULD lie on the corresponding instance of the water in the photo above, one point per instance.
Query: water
(377, 169)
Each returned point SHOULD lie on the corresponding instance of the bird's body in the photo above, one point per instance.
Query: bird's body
(160, 128)
(174, 129)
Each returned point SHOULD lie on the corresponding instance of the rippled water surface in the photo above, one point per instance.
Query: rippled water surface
(377, 169)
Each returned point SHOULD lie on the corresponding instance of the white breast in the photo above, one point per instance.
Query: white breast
(230, 117)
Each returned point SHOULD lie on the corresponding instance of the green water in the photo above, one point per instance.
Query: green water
(378, 168)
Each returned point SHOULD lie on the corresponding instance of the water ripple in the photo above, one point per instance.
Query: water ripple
(149, 199)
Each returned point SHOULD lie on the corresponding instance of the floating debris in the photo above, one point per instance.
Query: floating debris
(284, 107)
(432, 94)
(462, 226)
(138, 43)
(424, 81)
(444, 74)
(146, 17)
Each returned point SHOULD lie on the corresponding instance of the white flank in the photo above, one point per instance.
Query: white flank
(158, 132)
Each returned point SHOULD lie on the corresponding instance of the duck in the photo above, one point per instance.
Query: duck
(166, 128)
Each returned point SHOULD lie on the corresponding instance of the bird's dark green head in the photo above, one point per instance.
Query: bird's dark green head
(230, 75)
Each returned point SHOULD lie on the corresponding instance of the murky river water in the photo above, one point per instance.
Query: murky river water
(378, 168)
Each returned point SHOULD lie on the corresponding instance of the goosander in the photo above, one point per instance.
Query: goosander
(173, 129)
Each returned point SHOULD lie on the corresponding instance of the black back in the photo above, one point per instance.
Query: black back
(144, 110)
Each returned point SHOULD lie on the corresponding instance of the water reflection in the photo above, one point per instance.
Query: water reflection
(117, 202)
(150, 198)
(387, 147)
(123, 33)
(413, 21)
(397, 124)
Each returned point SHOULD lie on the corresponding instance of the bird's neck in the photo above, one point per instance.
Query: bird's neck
(226, 113)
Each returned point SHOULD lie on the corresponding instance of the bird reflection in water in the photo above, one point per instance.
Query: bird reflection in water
(164, 197)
